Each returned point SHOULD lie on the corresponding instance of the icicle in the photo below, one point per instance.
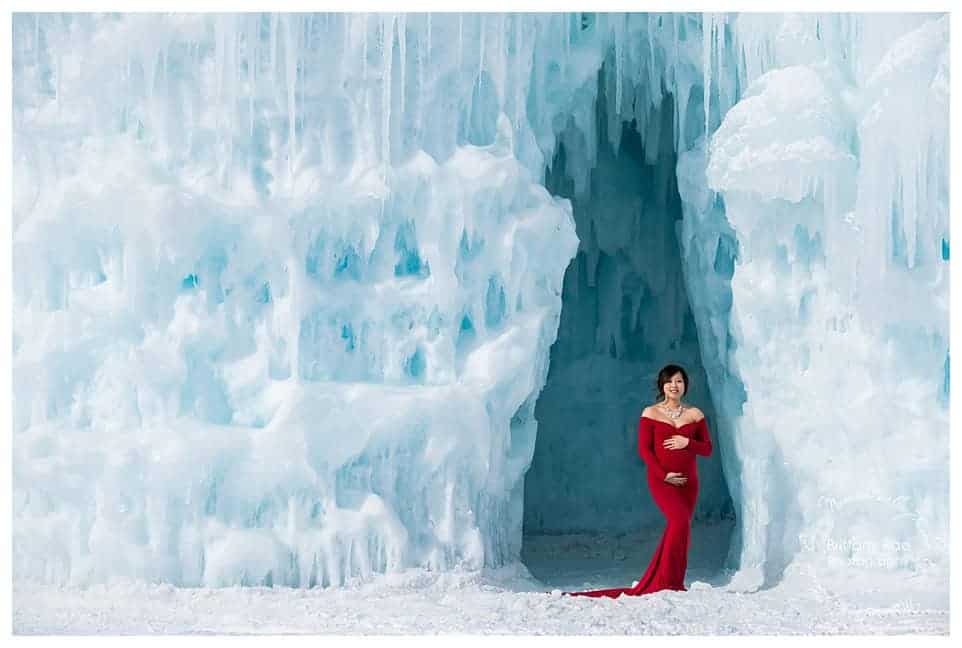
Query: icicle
(923, 174)
(460, 39)
(60, 48)
(234, 70)
(654, 81)
(387, 48)
(402, 49)
(419, 85)
(251, 64)
(678, 125)
(366, 89)
(273, 50)
(481, 56)
(719, 30)
(682, 93)
(502, 62)
(518, 85)
(674, 44)
(127, 92)
(707, 25)
(364, 49)
(290, 59)
(910, 205)
(222, 57)
(218, 72)
(619, 62)
(294, 313)
(304, 53)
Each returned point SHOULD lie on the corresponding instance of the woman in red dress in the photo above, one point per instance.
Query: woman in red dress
(670, 434)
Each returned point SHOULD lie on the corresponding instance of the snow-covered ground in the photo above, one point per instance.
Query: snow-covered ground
(519, 599)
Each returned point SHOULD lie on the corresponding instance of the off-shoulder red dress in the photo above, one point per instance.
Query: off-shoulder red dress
(667, 567)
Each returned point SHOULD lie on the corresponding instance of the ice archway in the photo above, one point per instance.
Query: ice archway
(625, 313)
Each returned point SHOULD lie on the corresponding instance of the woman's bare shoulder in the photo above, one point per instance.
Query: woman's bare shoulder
(697, 412)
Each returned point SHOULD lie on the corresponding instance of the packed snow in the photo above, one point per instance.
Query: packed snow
(507, 600)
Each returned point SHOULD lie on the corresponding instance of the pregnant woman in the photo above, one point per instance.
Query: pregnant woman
(670, 434)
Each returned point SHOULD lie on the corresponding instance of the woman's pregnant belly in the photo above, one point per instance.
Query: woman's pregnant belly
(682, 461)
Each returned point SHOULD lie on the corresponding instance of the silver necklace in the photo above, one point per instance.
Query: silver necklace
(673, 414)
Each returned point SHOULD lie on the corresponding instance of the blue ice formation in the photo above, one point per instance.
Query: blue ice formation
(286, 286)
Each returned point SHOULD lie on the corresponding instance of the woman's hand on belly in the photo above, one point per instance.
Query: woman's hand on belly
(675, 442)
(676, 479)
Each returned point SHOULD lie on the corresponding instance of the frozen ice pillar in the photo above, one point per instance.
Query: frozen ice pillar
(836, 188)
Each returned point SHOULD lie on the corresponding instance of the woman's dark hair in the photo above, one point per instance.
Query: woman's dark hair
(665, 375)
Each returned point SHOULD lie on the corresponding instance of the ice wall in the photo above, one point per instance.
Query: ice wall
(285, 285)
(831, 170)
(285, 289)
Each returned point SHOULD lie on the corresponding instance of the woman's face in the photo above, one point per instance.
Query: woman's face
(675, 387)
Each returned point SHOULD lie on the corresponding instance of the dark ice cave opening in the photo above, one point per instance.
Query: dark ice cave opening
(589, 520)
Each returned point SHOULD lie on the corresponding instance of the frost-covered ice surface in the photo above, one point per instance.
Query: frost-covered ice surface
(286, 290)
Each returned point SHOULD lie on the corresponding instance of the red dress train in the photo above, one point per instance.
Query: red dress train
(667, 567)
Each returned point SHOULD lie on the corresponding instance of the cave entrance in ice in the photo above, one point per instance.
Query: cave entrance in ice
(588, 515)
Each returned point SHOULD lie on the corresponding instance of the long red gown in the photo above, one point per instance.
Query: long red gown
(667, 567)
